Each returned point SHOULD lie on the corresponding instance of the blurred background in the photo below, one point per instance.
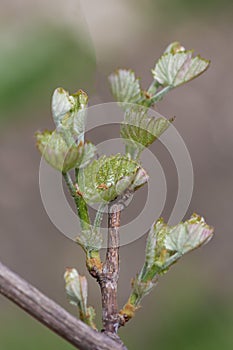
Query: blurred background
(76, 44)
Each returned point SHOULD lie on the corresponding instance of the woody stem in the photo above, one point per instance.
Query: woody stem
(110, 273)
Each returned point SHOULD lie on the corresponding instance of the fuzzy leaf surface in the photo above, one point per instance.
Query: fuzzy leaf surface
(105, 179)
(140, 130)
(69, 114)
(90, 239)
(76, 289)
(176, 67)
(166, 244)
(189, 235)
(54, 149)
(125, 86)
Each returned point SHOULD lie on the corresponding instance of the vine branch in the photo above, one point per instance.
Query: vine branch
(51, 314)
(110, 273)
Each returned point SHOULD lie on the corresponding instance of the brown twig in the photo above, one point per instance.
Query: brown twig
(52, 315)
(110, 273)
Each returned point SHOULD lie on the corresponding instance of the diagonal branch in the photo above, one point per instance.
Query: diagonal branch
(51, 314)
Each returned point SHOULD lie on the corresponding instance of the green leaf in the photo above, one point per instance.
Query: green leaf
(54, 149)
(88, 153)
(90, 239)
(62, 103)
(69, 114)
(76, 289)
(155, 242)
(188, 235)
(140, 130)
(141, 289)
(74, 122)
(176, 67)
(166, 244)
(125, 87)
(105, 179)
(174, 48)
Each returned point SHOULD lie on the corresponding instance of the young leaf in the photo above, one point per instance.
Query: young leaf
(125, 87)
(105, 179)
(140, 130)
(176, 66)
(88, 153)
(90, 240)
(154, 243)
(54, 149)
(141, 288)
(62, 103)
(174, 48)
(189, 235)
(69, 114)
(166, 244)
(74, 122)
(76, 289)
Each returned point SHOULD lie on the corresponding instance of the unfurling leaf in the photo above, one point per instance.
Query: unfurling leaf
(125, 87)
(90, 240)
(76, 289)
(155, 241)
(174, 48)
(105, 179)
(177, 66)
(140, 130)
(69, 114)
(166, 244)
(59, 155)
(188, 235)
(62, 103)
(89, 151)
(142, 288)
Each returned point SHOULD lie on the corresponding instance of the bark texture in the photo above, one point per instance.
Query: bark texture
(110, 273)
(52, 315)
